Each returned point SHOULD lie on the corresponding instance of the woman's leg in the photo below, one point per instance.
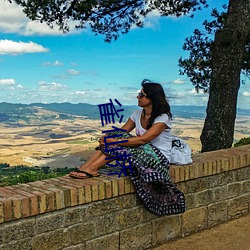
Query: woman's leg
(93, 164)
(92, 159)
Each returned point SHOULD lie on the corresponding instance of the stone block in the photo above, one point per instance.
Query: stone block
(225, 178)
(18, 230)
(77, 247)
(53, 240)
(99, 208)
(204, 198)
(220, 193)
(182, 186)
(240, 174)
(194, 220)
(234, 189)
(247, 172)
(190, 203)
(107, 242)
(217, 213)
(80, 233)
(197, 185)
(245, 186)
(136, 238)
(105, 224)
(166, 228)
(138, 201)
(238, 206)
(1, 235)
(131, 217)
(74, 215)
(49, 222)
(24, 244)
(1, 211)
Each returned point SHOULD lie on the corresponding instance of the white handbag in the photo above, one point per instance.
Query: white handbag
(180, 152)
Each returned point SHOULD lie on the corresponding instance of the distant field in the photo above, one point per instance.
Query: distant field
(83, 142)
(69, 140)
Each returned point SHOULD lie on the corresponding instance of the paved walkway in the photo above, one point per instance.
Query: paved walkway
(233, 235)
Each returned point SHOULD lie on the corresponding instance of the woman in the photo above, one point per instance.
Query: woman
(149, 152)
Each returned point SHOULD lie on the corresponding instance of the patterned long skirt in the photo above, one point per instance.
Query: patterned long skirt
(150, 176)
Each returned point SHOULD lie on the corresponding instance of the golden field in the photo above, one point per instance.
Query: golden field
(32, 145)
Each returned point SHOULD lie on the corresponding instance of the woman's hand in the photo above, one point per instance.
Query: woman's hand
(101, 141)
(108, 140)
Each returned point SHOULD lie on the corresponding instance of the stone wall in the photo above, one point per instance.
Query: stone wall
(105, 212)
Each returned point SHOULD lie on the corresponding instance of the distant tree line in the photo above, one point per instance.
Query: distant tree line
(24, 174)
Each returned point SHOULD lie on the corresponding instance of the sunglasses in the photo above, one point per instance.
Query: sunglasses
(140, 94)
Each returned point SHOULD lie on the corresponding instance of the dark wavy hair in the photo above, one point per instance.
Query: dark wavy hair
(156, 94)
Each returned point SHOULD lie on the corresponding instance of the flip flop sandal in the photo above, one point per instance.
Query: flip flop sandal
(87, 175)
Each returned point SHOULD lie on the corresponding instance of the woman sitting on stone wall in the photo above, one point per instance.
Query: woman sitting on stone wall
(148, 152)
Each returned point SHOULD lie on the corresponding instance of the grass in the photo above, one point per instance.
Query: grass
(23, 174)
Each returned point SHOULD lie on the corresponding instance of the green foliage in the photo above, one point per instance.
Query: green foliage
(109, 17)
(242, 142)
(198, 66)
(23, 174)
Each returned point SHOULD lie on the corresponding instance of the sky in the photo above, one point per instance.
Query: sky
(38, 64)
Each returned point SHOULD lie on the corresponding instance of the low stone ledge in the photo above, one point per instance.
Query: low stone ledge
(39, 197)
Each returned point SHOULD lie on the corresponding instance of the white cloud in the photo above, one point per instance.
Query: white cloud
(80, 92)
(55, 63)
(15, 48)
(19, 86)
(7, 82)
(73, 72)
(13, 20)
(178, 81)
(246, 93)
(10, 84)
(51, 86)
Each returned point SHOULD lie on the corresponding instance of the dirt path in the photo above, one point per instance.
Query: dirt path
(233, 235)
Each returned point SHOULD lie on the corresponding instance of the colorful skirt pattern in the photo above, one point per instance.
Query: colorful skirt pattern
(150, 176)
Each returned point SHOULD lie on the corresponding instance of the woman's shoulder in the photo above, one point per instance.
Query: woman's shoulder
(137, 112)
(163, 116)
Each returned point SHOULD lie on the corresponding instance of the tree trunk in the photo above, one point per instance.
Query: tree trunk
(227, 56)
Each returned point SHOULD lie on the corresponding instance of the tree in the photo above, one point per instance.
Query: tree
(199, 67)
(108, 17)
(113, 17)
(227, 58)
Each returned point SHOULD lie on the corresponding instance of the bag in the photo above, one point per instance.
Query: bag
(180, 152)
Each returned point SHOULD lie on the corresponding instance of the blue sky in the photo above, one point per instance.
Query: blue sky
(38, 64)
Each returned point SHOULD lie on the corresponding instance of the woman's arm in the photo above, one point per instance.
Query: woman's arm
(129, 125)
(151, 134)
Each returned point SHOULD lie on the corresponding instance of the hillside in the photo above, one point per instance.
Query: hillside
(64, 134)
(40, 112)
